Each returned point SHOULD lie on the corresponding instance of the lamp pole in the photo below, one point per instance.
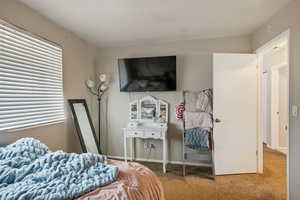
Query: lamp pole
(99, 123)
(98, 90)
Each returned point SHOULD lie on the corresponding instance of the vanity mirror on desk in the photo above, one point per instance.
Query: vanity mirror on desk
(148, 119)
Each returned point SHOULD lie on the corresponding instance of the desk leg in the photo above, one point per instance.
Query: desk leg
(132, 149)
(125, 149)
(165, 155)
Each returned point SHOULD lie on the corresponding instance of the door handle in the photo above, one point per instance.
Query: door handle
(217, 120)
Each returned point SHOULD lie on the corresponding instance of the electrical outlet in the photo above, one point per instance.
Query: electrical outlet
(146, 144)
(149, 145)
(152, 146)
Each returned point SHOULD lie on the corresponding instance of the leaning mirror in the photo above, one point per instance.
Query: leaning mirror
(84, 126)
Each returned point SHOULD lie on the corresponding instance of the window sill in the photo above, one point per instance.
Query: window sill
(31, 127)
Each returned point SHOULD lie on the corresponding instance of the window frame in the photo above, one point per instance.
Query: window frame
(39, 37)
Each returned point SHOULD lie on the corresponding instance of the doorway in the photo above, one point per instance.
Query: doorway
(283, 107)
(279, 108)
(273, 119)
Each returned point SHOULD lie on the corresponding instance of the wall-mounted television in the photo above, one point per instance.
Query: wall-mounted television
(147, 74)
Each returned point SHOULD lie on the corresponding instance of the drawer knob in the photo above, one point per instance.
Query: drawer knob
(153, 133)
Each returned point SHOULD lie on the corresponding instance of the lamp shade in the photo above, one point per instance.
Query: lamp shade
(90, 84)
(103, 87)
(102, 77)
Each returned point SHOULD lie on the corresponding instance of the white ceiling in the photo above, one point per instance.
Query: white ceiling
(108, 23)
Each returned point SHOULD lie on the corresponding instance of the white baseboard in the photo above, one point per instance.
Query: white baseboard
(277, 148)
(160, 161)
(283, 151)
(282, 148)
(271, 147)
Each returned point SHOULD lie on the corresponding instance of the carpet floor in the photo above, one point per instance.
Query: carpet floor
(271, 185)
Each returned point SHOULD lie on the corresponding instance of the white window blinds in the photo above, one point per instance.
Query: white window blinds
(31, 88)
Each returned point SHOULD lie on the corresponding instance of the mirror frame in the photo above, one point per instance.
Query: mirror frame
(82, 101)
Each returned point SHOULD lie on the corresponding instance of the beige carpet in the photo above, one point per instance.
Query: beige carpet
(268, 186)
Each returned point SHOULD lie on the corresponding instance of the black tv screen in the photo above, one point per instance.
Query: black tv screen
(147, 74)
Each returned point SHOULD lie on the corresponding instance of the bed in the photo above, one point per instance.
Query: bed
(29, 170)
(135, 182)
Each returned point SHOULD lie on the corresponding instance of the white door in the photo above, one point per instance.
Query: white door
(283, 107)
(235, 113)
(264, 106)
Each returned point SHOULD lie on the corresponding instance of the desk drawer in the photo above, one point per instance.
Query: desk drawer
(135, 133)
(153, 134)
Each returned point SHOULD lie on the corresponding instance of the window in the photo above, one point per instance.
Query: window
(31, 88)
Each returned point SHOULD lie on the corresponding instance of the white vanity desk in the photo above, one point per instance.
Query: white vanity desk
(148, 120)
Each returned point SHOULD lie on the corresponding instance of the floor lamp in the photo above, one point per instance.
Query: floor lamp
(98, 89)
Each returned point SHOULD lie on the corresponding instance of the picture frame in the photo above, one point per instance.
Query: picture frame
(84, 126)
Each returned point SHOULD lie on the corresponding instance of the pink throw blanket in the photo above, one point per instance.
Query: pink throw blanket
(135, 182)
(197, 120)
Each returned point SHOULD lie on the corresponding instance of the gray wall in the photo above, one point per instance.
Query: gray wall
(194, 60)
(284, 19)
(78, 65)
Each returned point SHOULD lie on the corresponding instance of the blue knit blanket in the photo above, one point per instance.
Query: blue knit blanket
(197, 138)
(28, 170)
